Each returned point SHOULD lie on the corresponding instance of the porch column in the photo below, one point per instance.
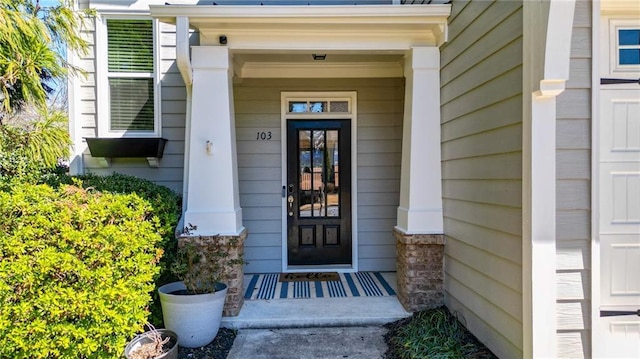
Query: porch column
(419, 231)
(420, 210)
(213, 202)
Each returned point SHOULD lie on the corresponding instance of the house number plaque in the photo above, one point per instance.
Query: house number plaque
(263, 136)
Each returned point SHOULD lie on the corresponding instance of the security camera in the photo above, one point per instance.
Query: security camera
(223, 40)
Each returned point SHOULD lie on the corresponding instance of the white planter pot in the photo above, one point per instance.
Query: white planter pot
(194, 317)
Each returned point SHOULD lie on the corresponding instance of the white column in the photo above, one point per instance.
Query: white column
(420, 210)
(213, 203)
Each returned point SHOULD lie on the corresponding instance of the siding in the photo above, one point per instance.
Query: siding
(173, 106)
(573, 192)
(481, 91)
(257, 107)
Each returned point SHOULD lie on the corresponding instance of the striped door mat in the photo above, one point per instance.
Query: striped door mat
(361, 284)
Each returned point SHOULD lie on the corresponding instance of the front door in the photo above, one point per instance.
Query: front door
(318, 193)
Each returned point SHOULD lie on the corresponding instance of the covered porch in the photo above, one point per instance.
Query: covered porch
(236, 181)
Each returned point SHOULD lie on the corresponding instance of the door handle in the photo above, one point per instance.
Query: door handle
(615, 313)
(290, 200)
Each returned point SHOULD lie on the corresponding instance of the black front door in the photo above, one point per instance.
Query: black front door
(318, 192)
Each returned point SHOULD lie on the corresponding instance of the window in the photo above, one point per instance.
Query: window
(130, 68)
(624, 47)
(319, 106)
(629, 47)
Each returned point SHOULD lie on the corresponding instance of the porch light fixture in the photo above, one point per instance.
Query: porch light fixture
(319, 57)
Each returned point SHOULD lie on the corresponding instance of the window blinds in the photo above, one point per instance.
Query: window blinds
(130, 45)
(131, 84)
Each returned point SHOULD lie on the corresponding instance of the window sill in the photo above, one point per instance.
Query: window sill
(127, 147)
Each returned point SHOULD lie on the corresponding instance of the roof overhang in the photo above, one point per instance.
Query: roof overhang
(303, 28)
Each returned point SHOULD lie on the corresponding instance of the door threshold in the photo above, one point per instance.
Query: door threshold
(340, 268)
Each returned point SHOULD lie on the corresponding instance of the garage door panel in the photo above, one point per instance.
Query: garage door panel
(620, 130)
(620, 198)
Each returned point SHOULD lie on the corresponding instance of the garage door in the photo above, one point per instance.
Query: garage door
(618, 322)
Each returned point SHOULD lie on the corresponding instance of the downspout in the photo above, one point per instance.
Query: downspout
(183, 62)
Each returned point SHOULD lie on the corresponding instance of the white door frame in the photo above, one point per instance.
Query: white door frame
(352, 115)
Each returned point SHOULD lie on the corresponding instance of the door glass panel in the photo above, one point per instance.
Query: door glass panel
(332, 183)
(304, 193)
(318, 180)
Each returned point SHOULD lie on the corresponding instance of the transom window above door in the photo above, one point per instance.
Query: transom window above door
(319, 106)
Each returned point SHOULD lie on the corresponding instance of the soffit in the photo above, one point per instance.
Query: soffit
(382, 27)
(620, 7)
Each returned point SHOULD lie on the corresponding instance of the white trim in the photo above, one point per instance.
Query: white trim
(596, 64)
(102, 78)
(351, 96)
(547, 44)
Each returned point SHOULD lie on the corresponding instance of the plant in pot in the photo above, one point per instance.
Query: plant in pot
(192, 307)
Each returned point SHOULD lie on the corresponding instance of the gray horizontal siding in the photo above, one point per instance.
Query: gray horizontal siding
(481, 92)
(257, 109)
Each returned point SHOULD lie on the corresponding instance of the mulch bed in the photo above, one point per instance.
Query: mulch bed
(217, 349)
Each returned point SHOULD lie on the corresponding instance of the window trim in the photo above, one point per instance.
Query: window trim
(614, 47)
(102, 76)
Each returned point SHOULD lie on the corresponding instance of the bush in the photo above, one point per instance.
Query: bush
(433, 333)
(76, 270)
(165, 209)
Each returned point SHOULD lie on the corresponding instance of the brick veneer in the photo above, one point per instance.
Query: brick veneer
(234, 273)
(420, 270)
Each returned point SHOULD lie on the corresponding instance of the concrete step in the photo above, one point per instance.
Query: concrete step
(316, 312)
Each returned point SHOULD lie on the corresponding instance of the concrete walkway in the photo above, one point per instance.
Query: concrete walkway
(310, 343)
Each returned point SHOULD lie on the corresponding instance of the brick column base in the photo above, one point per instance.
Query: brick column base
(233, 274)
(420, 270)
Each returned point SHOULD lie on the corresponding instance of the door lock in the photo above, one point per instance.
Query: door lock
(290, 202)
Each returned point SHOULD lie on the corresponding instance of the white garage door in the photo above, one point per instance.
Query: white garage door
(620, 221)
(617, 323)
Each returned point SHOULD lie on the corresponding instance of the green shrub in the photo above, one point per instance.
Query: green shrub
(165, 208)
(433, 334)
(76, 270)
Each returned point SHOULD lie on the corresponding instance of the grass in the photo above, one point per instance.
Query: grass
(433, 334)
